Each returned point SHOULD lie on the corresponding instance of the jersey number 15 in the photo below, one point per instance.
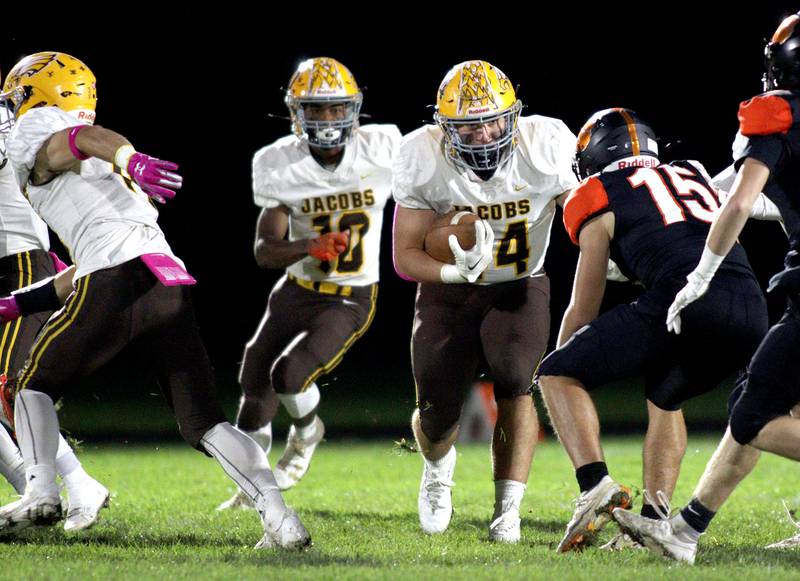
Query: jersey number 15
(675, 193)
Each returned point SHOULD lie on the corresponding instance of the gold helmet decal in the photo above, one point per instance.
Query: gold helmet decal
(52, 79)
(474, 88)
(475, 95)
(324, 102)
(322, 77)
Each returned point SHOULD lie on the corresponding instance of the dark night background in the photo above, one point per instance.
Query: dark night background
(200, 95)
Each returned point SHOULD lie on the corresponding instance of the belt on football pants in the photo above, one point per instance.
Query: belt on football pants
(330, 288)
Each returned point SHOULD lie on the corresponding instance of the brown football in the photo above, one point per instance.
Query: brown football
(436, 240)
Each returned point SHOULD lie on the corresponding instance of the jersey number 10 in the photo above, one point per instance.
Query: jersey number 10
(352, 259)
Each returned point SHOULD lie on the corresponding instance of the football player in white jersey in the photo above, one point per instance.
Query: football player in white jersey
(24, 260)
(325, 185)
(93, 189)
(492, 306)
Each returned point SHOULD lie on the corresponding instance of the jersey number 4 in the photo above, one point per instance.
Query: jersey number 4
(675, 193)
(352, 259)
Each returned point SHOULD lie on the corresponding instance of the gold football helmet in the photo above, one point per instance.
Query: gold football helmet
(478, 110)
(324, 102)
(51, 79)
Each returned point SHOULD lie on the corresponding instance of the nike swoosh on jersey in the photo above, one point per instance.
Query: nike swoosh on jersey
(520, 188)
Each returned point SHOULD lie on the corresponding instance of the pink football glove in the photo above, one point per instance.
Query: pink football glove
(9, 310)
(155, 176)
(58, 264)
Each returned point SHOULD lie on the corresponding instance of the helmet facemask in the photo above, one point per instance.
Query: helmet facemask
(325, 133)
(466, 138)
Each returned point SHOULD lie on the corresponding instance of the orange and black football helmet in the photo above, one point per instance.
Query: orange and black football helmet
(782, 56)
(611, 135)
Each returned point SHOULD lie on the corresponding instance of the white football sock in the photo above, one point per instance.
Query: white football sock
(507, 495)
(299, 405)
(306, 432)
(246, 464)
(66, 460)
(12, 466)
(440, 462)
(36, 422)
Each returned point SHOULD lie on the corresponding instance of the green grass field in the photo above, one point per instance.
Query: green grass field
(359, 502)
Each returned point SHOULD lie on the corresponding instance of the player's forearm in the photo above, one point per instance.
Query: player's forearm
(574, 319)
(725, 229)
(275, 253)
(96, 141)
(418, 265)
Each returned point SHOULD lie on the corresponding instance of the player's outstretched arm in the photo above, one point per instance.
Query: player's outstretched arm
(724, 232)
(763, 207)
(65, 149)
(273, 251)
(590, 276)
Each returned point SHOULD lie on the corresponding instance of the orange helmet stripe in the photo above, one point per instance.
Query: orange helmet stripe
(631, 131)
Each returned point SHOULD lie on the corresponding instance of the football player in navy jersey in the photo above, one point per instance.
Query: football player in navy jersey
(760, 408)
(652, 219)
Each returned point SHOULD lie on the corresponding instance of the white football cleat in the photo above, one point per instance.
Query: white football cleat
(284, 532)
(435, 502)
(791, 542)
(505, 528)
(238, 500)
(34, 508)
(84, 509)
(592, 511)
(622, 542)
(672, 538)
(296, 458)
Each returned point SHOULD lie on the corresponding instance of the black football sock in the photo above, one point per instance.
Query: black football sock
(697, 516)
(589, 475)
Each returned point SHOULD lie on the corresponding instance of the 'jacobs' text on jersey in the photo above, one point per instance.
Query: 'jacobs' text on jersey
(338, 202)
(498, 211)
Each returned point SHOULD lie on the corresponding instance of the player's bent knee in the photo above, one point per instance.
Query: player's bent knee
(437, 426)
(512, 390)
(289, 374)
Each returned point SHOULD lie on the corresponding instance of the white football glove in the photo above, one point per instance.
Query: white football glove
(614, 273)
(694, 289)
(471, 263)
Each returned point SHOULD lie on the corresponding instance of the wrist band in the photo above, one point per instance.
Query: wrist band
(76, 153)
(123, 156)
(450, 275)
